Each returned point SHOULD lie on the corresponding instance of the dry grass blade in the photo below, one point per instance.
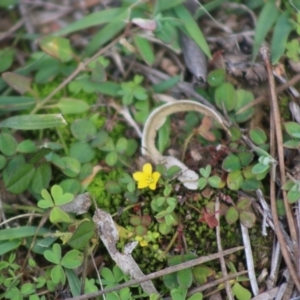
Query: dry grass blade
(276, 128)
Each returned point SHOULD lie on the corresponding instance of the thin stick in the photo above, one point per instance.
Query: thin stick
(249, 259)
(169, 270)
(220, 248)
(278, 90)
(275, 127)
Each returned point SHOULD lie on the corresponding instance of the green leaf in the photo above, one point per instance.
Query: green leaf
(250, 185)
(9, 246)
(57, 47)
(164, 5)
(293, 196)
(258, 136)
(243, 204)
(165, 85)
(27, 289)
(59, 197)
(83, 130)
(21, 232)
(72, 186)
(8, 144)
(196, 296)
(73, 282)
(214, 181)
(33, 122)
(57, 215)
(72, 259)
(121, 145)
(20, 179)
(3, 161)
(58, 275)
(260, 168)
(205, 172)
(72, 166)
(107, 32)
(242, 99)
(202, 273)
(293, 129)
(111, 158)
(216, 77)
(170, 280)
(185, 278)
(45, 203)
(98, 73)
(18, 82)
(280, 208)
(92, 19)
(83, 233)
(27, 146)
(145, 49)
(82, 151)
(240, 292)
(225, 96)
(6, 58)
(202, 183)
(292, 144)
(234, 180)
(282, 29)
(192, 28)
(14, 103)
(41, 178)
(266, 19)
(53, 255)
(231, 163)
(231, 215)
(70, 106)
(245, 158)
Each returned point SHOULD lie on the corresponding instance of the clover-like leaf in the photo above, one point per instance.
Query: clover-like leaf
(58, 215)
(72, 259)
(53, 255)
(47, 201)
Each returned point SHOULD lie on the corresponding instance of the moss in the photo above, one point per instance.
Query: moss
(284, 108)
(105, 200)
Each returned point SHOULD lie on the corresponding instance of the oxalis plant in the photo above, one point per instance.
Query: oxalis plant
(59, 140)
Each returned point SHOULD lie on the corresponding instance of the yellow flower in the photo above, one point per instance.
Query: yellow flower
(146, 178)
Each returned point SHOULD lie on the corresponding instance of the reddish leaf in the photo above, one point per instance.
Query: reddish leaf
(204, 129)
(209, 218)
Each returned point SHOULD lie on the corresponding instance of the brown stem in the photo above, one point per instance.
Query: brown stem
(275, 129)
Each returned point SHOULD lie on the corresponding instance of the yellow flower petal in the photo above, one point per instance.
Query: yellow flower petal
(147, 169)
(156, 176)
(137, 176)
(142, 184)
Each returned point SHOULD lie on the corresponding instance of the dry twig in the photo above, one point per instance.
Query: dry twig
(275, 127)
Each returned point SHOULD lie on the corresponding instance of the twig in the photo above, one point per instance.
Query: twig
(169, 270)
(12, 29)
(278, 90)
(209, 285)
(219, 243)
(275, 127)
(249, 260)
(80, 68)
(275, 264)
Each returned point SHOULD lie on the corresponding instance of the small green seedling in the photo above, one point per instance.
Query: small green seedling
(53, 201)
(214, 181)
